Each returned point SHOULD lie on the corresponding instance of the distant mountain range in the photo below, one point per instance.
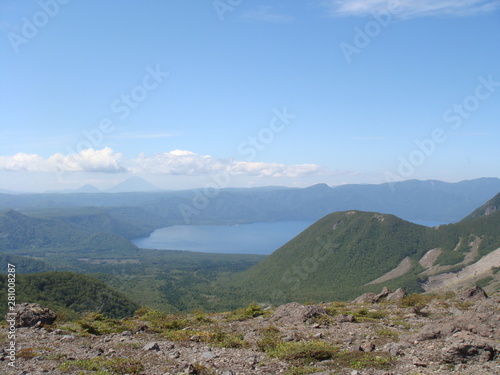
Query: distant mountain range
(133, 185)
(342, 255)
(426, 202)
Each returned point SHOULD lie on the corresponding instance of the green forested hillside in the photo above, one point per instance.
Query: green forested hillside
(19, 232)
(128, 222)
(68, 293)
(340, 254)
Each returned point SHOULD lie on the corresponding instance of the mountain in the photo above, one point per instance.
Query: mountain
(128, 222)
(490, 207)
(133, 184)
(426, 202)
(69, 293)
(87, 189)
(351, 252)
(21, 232)
(82, 189)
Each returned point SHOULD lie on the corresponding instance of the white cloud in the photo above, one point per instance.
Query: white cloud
(180, 162)
(411, 8)
(88, 160)
(175, 163)
(23, 162)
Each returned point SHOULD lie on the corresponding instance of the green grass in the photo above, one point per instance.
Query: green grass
(251, 311)
(101, 366)
(270, 338)
(303, 352)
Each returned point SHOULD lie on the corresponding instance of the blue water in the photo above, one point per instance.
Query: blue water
(256, 238)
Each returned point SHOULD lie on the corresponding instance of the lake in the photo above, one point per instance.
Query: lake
(255, 238)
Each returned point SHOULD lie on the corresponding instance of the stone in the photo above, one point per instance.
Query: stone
(151, 346)
(394, 350)
(473, 294)
(208, 355)
(396, 296)
(31, 314)
(344, 318)
(295, 313)
(366, 298)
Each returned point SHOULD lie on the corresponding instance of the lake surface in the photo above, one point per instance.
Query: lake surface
(255, 238)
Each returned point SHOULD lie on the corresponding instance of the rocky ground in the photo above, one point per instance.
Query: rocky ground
(376, 334)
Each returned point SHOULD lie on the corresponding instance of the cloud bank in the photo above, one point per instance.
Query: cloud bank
(411, 8)
(177, 162)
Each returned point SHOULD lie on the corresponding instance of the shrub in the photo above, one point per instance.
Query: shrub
(270, 339)
(304, 352)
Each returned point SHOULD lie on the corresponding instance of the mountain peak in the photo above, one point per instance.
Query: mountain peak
(133, 184)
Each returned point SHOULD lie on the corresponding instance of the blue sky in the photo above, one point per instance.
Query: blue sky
(247, 93)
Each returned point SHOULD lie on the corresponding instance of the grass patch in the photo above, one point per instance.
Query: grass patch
(98, 324)
(160, 322)
(387, 333)
(114, 366)
(217, 337)
(198, 369)
(416, 300)
(270, 339)
(303, 352)
(27, 353)
(361, 360)
(251, 311)
(294, 370)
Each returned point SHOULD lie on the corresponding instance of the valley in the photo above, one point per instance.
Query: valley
(342, 255)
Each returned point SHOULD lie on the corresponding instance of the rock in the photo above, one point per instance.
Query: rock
(151, 346)
(372, 297)
(384, 293)
(31, 314)
(366, 298)
(368, 347)
(473, 294)
(126, 333)
(395, 350)
(481, 319)
(174, 355)
(343, 318)
(294, 313)
(396, 296)
(465, 347)
(208, 355)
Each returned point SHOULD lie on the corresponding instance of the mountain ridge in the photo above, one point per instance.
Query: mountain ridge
(347, 253)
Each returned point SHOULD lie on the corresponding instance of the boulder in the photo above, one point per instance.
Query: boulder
(372, 297)
(294, 313)
(32, 314)
(366, 298)
(482, 319)
(465, 347)
(473, 294)
(396, 296)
